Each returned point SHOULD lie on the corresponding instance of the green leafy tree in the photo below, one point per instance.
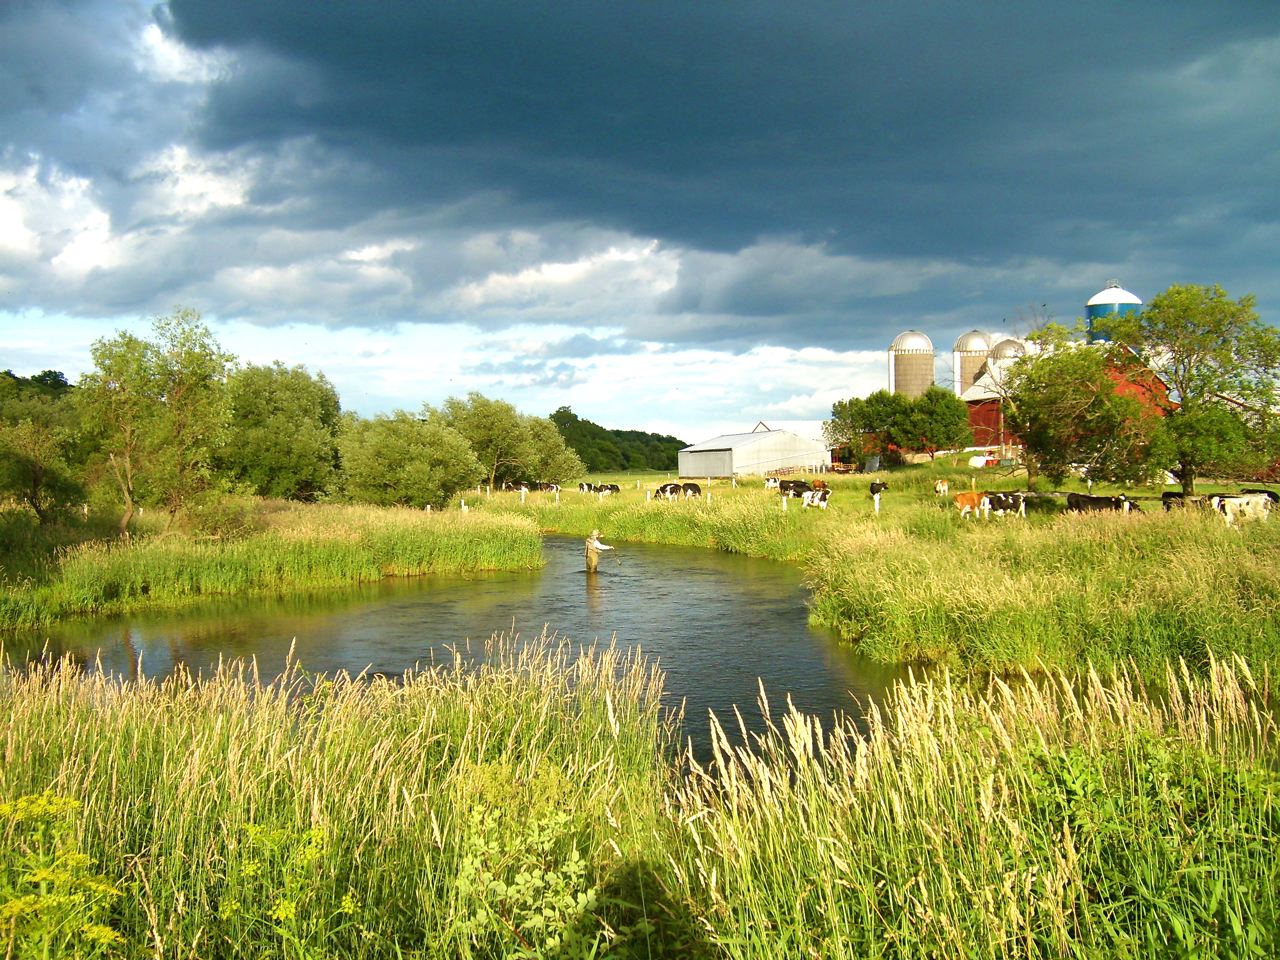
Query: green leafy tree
(1064, 404)
(283, 436)
(604, 450)
(40, 456)
(401, 460)
(866, 423)
(160, 410)
(935, 420)
(1221, 365)
(509, 445)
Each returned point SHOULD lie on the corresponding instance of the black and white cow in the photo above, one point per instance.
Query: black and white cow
(546, 487)
(585, 487)
(669, 491)
(771, 483)
(1250, 506)
(1011, 503)
(816, 498)
(604, 489)
(690, 490)
(794, 488)
(1085, 503)
(878, 486)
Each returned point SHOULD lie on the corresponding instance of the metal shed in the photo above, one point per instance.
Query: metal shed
(758, 453)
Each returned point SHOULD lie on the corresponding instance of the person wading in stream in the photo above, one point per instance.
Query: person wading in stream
(594, 546)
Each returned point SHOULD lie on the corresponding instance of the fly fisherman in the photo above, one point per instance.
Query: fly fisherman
(594, 546)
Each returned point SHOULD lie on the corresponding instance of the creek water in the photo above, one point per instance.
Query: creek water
(717, 624)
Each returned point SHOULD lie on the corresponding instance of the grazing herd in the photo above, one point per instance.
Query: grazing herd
(1249, 504)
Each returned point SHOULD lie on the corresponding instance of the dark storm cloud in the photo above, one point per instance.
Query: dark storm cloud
(906, 128)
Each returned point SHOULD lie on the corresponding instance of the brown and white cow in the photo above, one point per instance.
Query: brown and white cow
(975, 502)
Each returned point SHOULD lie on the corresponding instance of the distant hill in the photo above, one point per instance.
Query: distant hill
(606, 450)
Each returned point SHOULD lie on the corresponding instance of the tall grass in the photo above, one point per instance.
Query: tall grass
(492, 808)
(530, 804)
(1040, 819)
(295, 547)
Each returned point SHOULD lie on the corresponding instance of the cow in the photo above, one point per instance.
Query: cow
(1170, 499)
(878, 487)
(669, 491)
(1011, 503)
(691, 490)
(546, 487)
(604, 489)
(771, 483)
(794, 488)
(1085, 503)
(585, 487)
(1253, 506)
(816, 498)
(517, 485)
(941, 488)
(820, 485)
(975, 502)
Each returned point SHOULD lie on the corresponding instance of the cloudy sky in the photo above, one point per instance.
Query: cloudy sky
(679, 216)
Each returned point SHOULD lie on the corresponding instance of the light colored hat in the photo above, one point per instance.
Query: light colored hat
(595, 533)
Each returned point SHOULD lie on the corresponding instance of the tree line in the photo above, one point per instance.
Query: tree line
(172, 422)
(605, 451)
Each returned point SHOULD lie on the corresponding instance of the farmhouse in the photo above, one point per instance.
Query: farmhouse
(753, 454)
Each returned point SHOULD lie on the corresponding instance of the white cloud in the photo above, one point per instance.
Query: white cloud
(175, 184)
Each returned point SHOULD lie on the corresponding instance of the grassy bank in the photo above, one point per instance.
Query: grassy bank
(915, 583)
(292, 547)
(533, 807)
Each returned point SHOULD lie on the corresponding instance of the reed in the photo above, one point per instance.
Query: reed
(500, 804)
(295, 547)
(525, 800)
(1049, 817)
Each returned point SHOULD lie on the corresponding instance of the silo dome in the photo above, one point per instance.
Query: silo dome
(975, 341)
(1111, 299)
(1008, 349)
(911, 341)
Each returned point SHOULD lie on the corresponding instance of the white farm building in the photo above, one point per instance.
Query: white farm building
(757, 453)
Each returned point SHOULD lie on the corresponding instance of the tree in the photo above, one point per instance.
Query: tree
(1063, 403)
(509, 445)
(39, 452)
(159, 408)
(283, 437)
(604, 450)
(866, 424)
(401, 460)
(935, 420)
(1222, 367)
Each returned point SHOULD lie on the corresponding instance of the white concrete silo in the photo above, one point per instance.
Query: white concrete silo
(910, 363)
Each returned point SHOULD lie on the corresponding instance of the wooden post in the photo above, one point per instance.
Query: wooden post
(785, 498)
(464, 505)
(523, 491)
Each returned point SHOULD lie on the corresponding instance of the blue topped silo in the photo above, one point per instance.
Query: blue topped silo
(1112, 298)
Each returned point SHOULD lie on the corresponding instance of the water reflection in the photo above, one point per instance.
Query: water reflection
(718, 624)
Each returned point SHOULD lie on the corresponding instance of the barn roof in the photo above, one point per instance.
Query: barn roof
(809, 429)
(731, 441)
